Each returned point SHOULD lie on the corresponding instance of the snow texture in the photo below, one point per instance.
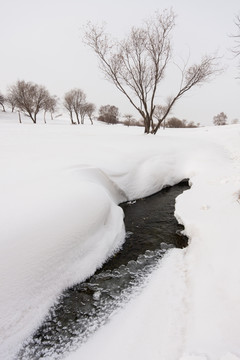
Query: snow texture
(60, 187)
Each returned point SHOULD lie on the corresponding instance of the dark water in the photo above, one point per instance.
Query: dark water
(151, 230)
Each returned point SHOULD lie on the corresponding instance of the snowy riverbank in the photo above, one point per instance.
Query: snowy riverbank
(59, 189)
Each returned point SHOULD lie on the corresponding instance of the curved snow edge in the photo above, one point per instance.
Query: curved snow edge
(75, 225)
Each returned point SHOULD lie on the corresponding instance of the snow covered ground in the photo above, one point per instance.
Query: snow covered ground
(59, 220)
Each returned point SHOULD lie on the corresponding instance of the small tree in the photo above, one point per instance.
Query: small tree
(220, 119)
(89, 109)
(175, 123)
(108, 114)
(74, 102)
(50, 106)
(11, 100)
(30, 98)
(235, 121)
(2, 100)
(137, 65)
(79, 100)
(191, 124)
(129, 120)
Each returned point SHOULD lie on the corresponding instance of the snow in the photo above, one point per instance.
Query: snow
(60, 187)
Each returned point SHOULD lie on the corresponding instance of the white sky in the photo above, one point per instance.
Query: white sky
(41, 42)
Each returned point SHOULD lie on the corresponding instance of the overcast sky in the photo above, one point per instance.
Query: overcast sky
(41, 41)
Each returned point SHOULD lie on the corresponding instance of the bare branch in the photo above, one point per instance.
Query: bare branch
(236, 48)
(195, 75)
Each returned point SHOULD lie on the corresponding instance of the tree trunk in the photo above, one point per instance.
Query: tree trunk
(19, 117)
(82, 119)
(44, 118)
(71, 117)
(146, 124)
(32, 118)
(77, 116)
(90, 118)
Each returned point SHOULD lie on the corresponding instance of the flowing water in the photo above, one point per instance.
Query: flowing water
(151, 230)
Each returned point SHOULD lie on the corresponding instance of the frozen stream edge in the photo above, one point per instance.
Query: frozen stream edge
(121, 284)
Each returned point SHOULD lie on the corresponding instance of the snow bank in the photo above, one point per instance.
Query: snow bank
(212, 258)
(59, 189)
(51, 237)
(189, 308)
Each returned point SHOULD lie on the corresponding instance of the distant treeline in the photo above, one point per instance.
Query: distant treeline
(30, 99)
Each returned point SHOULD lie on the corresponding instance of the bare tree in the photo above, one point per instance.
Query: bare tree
(2, 100)
(191, 124)
(74, 102)
(30, 98)
(10, 99)
(78, 103)
(220, 119)
(137, 64)
(50, 106)
(108, 114)
(129, 120)
(175, 123)
(89, 109)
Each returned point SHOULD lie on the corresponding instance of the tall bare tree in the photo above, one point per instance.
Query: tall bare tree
(30, 98)
(137, 64)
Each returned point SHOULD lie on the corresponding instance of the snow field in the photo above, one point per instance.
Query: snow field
(59, 189)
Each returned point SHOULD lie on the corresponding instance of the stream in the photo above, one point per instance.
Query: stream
(151, 230)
